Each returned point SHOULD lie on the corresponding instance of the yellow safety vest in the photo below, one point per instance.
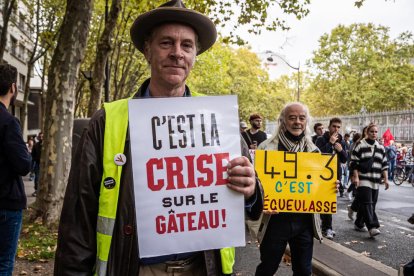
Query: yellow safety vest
(116, 126)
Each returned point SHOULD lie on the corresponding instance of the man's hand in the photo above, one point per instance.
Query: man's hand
(337, 184)
(242, 177)
(355, 178)
(387, 185)
(334, 137)
(338, 147)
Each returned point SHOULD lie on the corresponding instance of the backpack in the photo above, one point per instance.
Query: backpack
(391, 153)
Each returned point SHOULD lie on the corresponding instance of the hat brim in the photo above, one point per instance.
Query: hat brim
(203, 26)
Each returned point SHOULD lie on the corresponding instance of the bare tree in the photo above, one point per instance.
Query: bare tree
(58, 125)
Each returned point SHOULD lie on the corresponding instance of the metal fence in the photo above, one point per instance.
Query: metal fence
(400, 123)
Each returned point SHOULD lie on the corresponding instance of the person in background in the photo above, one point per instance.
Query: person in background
(345, 166)
(243, 127)
(352, 208)
(367, 176)
(318, 129)
(391, 152)
(254, 136)
(36, 154)
(15, 162)
(331, 142)
(30, 144)
(295, 229)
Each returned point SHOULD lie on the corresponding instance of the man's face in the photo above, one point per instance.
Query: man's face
(334, 128)
(295, 120)
(40, 136)
(256, 123)
(319, 130)
(171, 54)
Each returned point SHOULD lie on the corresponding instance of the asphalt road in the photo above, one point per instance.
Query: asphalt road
(393, 247)
(395, 244)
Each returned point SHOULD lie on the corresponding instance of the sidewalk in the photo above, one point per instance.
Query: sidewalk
(29, 189)
(330, 258)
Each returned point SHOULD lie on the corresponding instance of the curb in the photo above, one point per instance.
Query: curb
(320, 268)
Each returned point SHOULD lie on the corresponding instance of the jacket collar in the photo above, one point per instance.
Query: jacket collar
(144, 86)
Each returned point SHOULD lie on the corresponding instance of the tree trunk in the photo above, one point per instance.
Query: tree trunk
(7, 9)
(103, 51)
(23, 115)
(62, 79)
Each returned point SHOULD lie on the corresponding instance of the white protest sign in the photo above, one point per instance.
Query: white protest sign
(180, 149)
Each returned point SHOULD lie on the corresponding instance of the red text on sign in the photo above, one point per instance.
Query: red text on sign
(173, 168)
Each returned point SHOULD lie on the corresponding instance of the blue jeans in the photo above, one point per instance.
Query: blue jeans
(391, 168)
(10, 225)
(37, 175)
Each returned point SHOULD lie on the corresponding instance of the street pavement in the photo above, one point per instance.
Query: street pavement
(395, 245)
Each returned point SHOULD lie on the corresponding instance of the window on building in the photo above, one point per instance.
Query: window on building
(22, 20)
(22, 82)
(22, 52)
(13, 46)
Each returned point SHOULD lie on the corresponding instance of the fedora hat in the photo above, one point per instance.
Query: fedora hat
(174, 12)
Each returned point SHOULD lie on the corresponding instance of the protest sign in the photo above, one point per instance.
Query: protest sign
(299, 182)
(180, 149)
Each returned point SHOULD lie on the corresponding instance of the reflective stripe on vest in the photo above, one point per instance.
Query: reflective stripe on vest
(116, 126)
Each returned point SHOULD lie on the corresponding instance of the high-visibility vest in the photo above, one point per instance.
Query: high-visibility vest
(116, 126)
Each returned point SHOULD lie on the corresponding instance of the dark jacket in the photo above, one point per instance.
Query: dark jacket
(326, 147)
(76, 250)
(15, 162)
(36, 151)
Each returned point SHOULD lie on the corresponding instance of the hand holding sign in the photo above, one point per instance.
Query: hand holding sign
(241, 176)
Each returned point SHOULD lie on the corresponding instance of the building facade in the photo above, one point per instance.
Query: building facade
(18, 50)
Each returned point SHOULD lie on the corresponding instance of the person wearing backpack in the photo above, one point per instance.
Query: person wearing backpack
(391, 152)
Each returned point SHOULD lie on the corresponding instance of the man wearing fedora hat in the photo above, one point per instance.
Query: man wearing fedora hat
(97, 233)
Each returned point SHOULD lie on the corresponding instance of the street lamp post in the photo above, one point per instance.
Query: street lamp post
(269, 58)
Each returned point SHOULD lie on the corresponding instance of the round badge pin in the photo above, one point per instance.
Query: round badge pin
(109, 182)
(120, 159)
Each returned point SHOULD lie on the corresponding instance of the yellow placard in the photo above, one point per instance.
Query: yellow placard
(298, 182)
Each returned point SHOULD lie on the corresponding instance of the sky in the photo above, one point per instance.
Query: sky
(296, 45)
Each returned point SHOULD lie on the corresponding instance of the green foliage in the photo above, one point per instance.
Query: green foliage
(227, 71)
(360, 65)
(128, 68)
(36, 241)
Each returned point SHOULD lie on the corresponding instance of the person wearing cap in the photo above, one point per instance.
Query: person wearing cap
(91, 240)
(243, 127)
(254, 136)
